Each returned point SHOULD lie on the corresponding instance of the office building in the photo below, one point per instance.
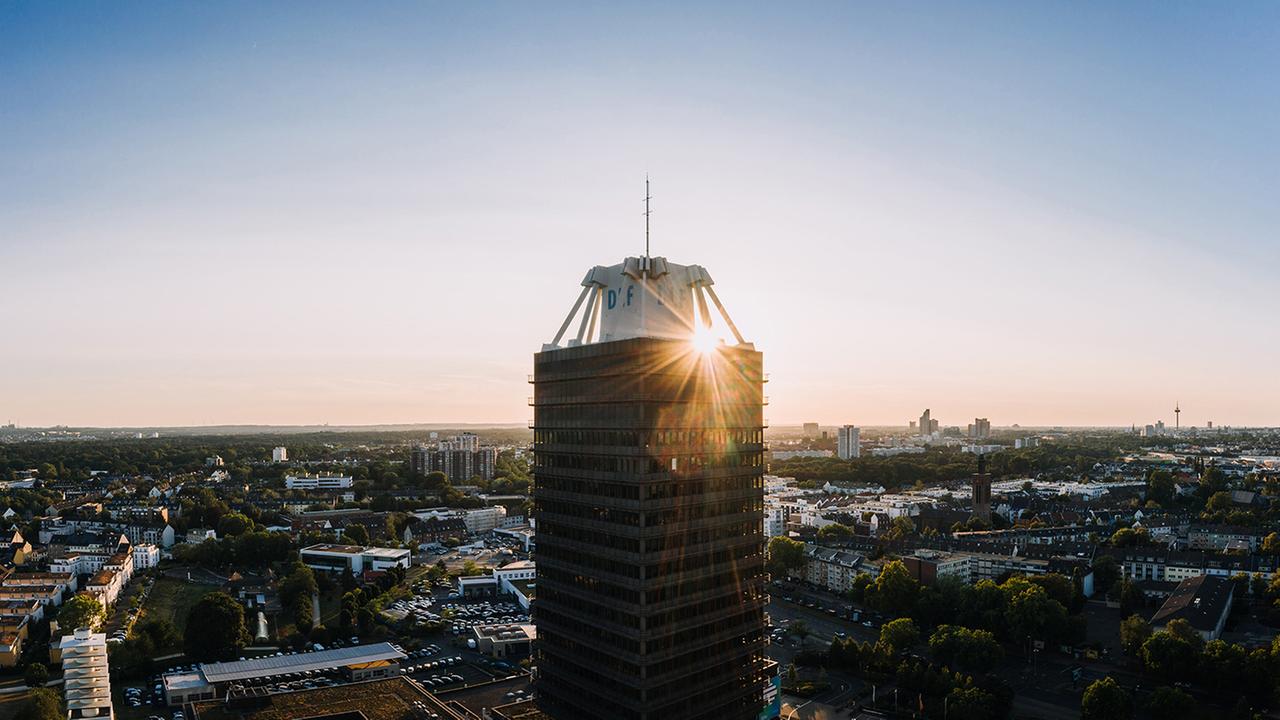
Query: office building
(311, 482)
(848, 442)
(648, 496)
(809, 431)
(328, 557)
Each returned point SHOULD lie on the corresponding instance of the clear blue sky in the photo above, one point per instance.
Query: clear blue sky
(291, 213)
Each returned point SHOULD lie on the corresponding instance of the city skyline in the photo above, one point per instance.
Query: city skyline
(241, 215)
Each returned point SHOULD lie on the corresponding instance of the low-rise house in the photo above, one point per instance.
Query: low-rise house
(1204, 602)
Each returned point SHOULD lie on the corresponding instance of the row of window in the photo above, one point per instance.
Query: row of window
(650, 491)
(718, 437)
(659, 620)
(584, 610)
(646, 465)
(673, 541)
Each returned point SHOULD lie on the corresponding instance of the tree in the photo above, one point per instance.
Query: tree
(36, 675)
(357, 534)
(43, 704)
(1134, 631)
(215, 628)
(961, 648)
(83, 610)
(894, 591)
(973, 702)
(233, 524)
(901, 527)
(899, 635)
(785, 555)
(1167, 702)
(162, 634)
(1106, 571)
(835, 532)
(1271, 544)
(1032, 614)
(1105, 700)
(1131, 598)
(1128, 537)
(1170, 656)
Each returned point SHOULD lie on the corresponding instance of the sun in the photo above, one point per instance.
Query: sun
(704, 341)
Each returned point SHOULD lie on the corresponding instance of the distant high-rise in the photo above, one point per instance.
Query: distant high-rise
(982, 492)
(648, 494)
(460, 458)
(848, 440)
(926, 424)
(810, 431)
(980, 429)
(279, 455)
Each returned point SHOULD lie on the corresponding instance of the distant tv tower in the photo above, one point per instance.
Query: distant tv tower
(1177, 416)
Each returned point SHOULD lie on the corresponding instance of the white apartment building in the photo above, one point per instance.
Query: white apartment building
(308, 482)
(86, 681)
(145, 556)
(483, 520)
(848, 442)
(280, 454)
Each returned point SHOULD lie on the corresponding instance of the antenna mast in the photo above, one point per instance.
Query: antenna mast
(647, 198)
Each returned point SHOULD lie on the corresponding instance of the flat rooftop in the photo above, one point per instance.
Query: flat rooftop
(394, 699)
(331, 548)
(324, 660)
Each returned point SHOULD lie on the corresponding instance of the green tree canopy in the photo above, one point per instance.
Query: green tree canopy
(215, 628)
(894, 591)
(36, 675)
(785, 555)
(43, 704)
(1106, 700)
(82, 610)
(233, 524)
(959, 647)
(899, 635)
(1134, 631)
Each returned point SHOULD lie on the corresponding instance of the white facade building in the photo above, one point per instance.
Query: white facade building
(848, 442)
(86, 681)
(145, 556)
(353, 558)
(280, 454)
(307, 482)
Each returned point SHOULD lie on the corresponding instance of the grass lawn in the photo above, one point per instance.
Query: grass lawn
(172, 599)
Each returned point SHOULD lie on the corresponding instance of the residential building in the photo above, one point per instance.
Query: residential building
(86, 679)
(980, 429)
(279, 454)
(145, 556)
(832, 569)
(460, 458)
(848, 442)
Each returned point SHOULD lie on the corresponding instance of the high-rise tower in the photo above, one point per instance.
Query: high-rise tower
(649, 498)
(982, 492)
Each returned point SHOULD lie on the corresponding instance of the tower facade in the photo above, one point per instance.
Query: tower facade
(981, 484)
(649, 499)
(849, 442)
